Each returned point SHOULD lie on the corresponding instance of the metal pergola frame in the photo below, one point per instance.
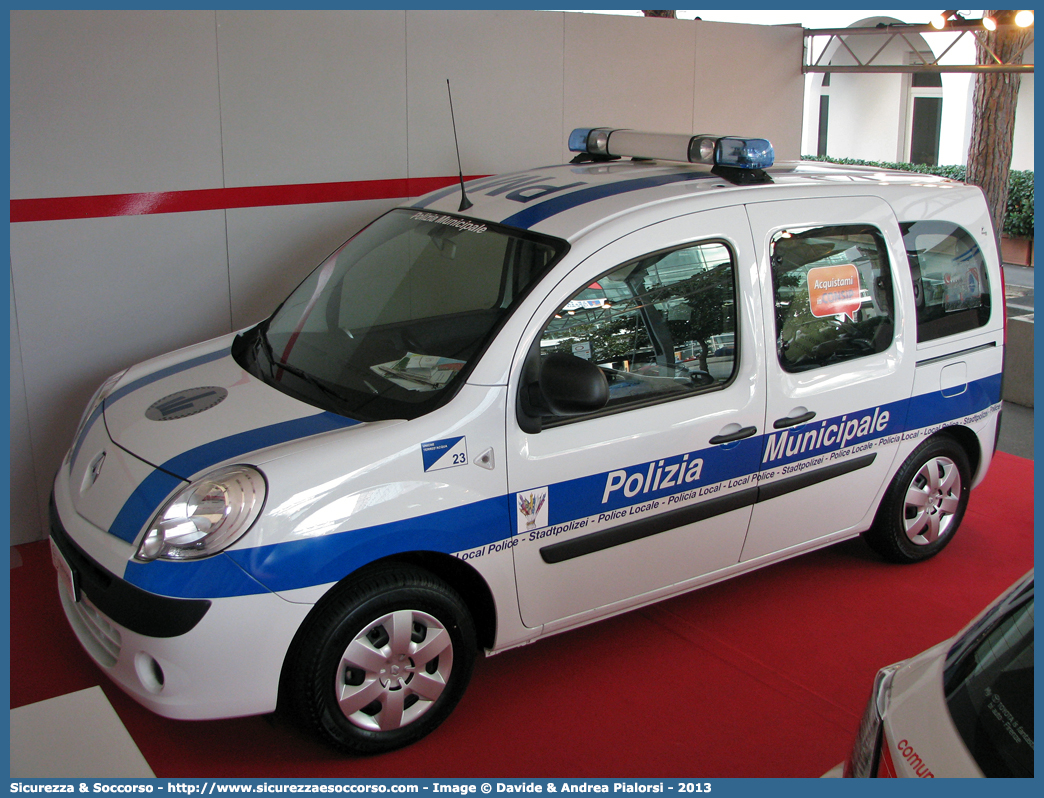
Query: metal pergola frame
(900, 31)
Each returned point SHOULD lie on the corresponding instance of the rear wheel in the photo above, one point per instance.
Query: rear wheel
(924, 504)
(383, 662)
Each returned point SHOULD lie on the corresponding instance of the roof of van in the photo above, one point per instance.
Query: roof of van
(560, 200)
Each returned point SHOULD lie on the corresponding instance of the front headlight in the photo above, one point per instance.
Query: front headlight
(866, 753)
(206, 517)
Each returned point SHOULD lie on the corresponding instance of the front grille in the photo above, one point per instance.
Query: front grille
(98, 636)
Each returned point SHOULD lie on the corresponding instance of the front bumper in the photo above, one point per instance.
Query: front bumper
(190, 659)
(127, 605)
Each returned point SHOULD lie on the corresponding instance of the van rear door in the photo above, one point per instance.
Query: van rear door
(839, 365)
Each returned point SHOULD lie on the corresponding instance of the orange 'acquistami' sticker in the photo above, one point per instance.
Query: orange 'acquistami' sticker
(834, 290)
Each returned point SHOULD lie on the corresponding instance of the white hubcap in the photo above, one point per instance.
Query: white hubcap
(932, 499)
(394, 670)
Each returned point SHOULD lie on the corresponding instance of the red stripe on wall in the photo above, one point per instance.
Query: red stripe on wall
(209, 199)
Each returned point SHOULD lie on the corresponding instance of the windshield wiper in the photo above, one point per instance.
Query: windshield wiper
(312, 380)
(264, 346)
(275, 363)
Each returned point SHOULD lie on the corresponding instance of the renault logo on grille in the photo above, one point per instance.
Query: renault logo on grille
(93, 472)
(96, 467)
(185, 403)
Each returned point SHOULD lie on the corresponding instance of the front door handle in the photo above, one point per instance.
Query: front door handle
(793, 421)
(738, 435)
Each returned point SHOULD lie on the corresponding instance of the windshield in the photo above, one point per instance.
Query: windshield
(988, 684)
(391, 323)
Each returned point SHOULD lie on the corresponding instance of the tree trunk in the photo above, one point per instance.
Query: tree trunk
(993, 108)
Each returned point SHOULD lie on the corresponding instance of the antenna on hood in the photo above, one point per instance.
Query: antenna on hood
(465, 203)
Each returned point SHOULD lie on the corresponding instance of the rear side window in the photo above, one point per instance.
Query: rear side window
(950, 284)
(833, 295)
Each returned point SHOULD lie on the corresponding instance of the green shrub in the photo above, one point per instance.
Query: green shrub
(1018, 220)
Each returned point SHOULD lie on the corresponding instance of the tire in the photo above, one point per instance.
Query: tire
(382, 662)
(925, 503)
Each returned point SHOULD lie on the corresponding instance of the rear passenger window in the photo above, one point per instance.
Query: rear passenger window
(659, 327)
(833, 295)
(949, 279)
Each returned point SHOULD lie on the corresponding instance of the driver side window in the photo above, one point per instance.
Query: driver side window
(658, 327)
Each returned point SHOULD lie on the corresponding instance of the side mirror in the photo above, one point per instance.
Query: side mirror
(560, 385)
(572, 386)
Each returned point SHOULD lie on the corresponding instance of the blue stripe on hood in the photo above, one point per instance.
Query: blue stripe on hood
(131, 387)
(148, 496)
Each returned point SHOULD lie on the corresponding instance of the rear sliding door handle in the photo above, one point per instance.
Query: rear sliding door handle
(738, 435)
(793, 421)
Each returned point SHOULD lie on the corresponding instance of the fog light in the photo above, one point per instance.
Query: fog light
(150, 674)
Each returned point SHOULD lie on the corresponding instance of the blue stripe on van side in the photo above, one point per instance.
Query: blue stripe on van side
(148, 496)
(326, 559)
(321, 560)
(214, 577)
(929, 409)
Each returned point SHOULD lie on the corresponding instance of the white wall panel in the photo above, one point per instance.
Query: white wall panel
(270, 250)
(97, 295)
(955, 132)
(312, 96)
(629, 72)
(26, 521)
(106, 102)
(506, 73)
(749, 83)
(871, 99)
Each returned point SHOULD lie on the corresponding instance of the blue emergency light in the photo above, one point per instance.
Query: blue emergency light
(735, 152)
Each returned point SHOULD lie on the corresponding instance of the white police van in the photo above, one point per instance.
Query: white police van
(475, 425)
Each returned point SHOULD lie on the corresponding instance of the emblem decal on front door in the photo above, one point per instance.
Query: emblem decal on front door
(532, 509)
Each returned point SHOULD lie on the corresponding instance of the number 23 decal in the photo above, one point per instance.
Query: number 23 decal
(447, 453)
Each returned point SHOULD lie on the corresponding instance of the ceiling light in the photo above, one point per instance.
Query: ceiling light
(1024, 19)
(939, 22)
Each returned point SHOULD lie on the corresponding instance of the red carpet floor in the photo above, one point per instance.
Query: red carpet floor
(764, 675)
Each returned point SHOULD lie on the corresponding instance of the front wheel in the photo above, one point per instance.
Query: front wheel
(924, 504)
(383, 662)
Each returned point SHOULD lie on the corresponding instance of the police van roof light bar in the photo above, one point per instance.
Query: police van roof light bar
(732, 152)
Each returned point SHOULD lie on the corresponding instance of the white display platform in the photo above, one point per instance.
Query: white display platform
(78, 735)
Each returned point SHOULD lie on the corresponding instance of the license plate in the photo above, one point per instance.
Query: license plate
(66, 575)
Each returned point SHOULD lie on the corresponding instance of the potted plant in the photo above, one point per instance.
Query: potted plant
(1017, 236)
